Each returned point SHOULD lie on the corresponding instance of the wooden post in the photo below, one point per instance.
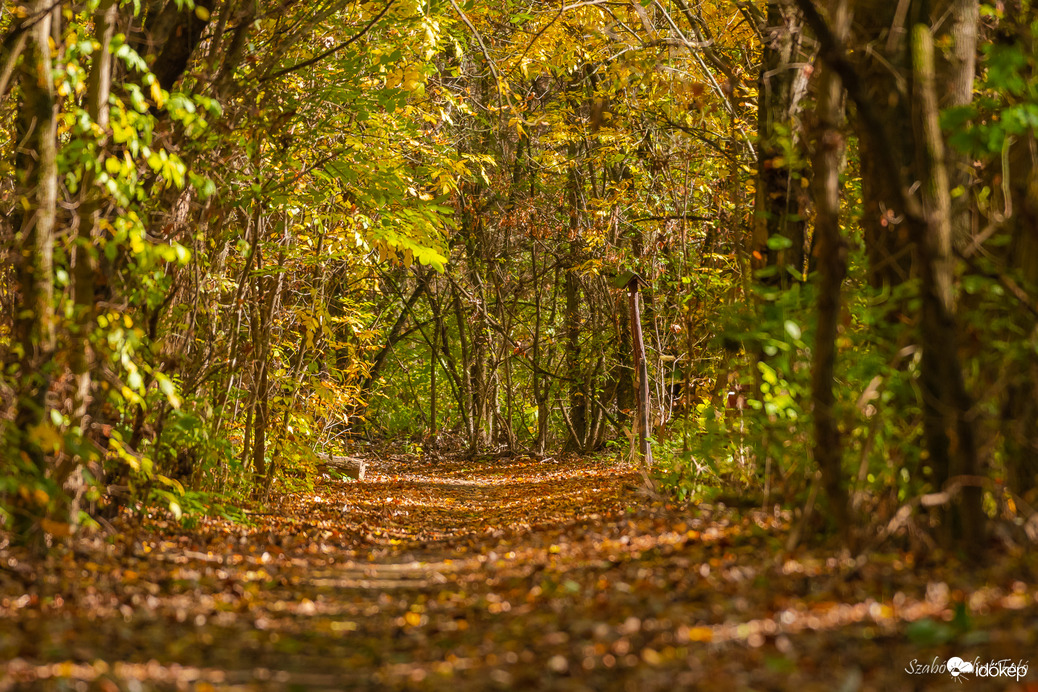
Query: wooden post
(432, 380)
(642, 368)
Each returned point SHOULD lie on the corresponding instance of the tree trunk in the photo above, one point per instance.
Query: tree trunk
(886, 160)
(467, 408)
(432, 381)
(947, 405)
(1020, 403)
(577, 396)
(81, 358)
(831, 250)
(394, 336)
(33, 332)
(778, 229)
(541, 385)
(958, 65)
(623, 375)
(640, 367)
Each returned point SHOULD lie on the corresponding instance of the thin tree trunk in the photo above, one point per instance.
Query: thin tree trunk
(99, 84)
(778, 229)
(831, 249)
(577, 398)
(947, 404)
(960, 70)
(432, 380)
(467, 412)
(640, 367)
(380, 359)
(256, 221)
(626, 398)
(37, 183)
(541, 384)
(1020, 404)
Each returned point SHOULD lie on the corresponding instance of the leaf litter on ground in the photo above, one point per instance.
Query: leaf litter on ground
(451, 574)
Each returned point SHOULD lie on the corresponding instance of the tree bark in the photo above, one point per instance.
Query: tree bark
(179, 40)
(33, 333)
(884, 69)
(394, 335)
(948, 420)
(641, 367)
(777, 205)
(831, 251)
(1020, 402)
(99, 82)
(577, 396)
(959, 65)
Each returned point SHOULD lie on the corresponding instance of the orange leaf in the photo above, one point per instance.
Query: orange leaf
(56, 528)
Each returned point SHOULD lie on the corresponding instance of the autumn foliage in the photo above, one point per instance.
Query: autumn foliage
(763, 274)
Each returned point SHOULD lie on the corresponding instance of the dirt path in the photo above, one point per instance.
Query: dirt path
(518, 574)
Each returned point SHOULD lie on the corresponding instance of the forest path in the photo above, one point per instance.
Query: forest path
(447, 574)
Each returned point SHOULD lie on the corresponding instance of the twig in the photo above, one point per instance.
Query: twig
(333, 49)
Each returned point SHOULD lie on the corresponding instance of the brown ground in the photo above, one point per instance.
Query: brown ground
(512, 574)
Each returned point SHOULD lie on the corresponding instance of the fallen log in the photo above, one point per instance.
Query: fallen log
(351, 467)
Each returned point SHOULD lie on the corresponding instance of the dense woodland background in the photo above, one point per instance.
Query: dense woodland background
(239, 235)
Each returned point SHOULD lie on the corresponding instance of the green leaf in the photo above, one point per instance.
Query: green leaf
(166, 387)
(928, 632)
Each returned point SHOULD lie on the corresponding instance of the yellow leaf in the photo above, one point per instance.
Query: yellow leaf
(47, 436)
(413, 619)
(700, 634)
(344, 626)
(202, 13)
(156, 94)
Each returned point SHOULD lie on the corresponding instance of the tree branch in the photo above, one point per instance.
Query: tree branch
(833, 52)
(673, 217)
(318, 58)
